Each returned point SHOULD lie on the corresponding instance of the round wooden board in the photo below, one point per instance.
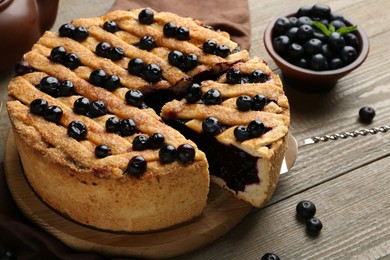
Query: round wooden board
(221, 214)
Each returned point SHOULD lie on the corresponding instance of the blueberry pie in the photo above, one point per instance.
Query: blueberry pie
(85, 108)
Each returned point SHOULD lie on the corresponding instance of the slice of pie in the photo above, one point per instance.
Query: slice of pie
(85, 112)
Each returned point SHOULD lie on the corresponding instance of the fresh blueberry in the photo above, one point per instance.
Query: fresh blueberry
(102, 49)
(167, 153)
(281, 25)
(50, 85)
(111, 82)
(304, 32)
(97, 77)
(258, 76)
(146, 16)
(110, 26)
(336, 41)
(244, 103)
(321, 11)
(37, 106)
(81, 106)
(77, 130)
(304, 11)
(305, 209)
(233, 76)
(97, 108)
(222, 51)
(113, 124)
(302, 62)
(53, 114)
(58, 54)
(366, 114)
(211, 126)
(66, 88)
(313, 225)
(127, 127)
(351, 40)
(212, 97)
(102, 151)
(312, 46)
(258, 102)
(242, 133)
(209, 46)
(67, 30)
(136, 66)
(182, 33)
(291, 33)
(80, 33)
(319, 62)
(338, 24)
(304, 20)
(152, 73)
(134, 97)
(116, 53)
(194, 93)
(335, 63)
(175, 58)
(72, 61)
(185, 153)
(281, 43)
(256, 128)
(295, 51)
(140, 143)
(156, 140)
(23, 67)
(170, 30)
(348, 54)
(270, 256)
(137, 166)
(327, 51)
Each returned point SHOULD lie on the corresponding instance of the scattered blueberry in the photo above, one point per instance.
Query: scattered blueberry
(185, 153)
(189, 62)
(49, 85)
(306, 209)
(270, 256)
(258, 102)
(146, 16)
(116, 53)
(182, 33)
(77, 130)
(67, 30)
(211, 126)
(209, 46)
(194, 93)
(102, 151)
(66, 88)
(175, 58)
(313, 225)
(212, 97)
(167, 153)
(53, 114)
(111, 82)
(366, 114)
(156, 140)
(222, 51)
(140, 143)
(37, 106)
(137, 166)
(134, 97)
(127, 127)
(72, 61)
(102, 49)
(97, 77)
(257, 76)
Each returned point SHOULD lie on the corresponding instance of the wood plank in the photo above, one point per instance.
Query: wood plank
(353, 208)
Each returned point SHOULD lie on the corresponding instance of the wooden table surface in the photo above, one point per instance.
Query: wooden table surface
(348, 180)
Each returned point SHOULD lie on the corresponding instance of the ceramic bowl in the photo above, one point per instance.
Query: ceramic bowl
(310, 80)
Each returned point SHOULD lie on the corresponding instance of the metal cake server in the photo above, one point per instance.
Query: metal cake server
(293, 145)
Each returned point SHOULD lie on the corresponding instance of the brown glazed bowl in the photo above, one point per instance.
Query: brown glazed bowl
(310, 80)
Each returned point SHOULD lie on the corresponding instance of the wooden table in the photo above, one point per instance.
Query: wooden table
(348, 180)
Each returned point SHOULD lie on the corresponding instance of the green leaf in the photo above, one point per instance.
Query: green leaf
(348, 29)
(332, 28)
(322, 27)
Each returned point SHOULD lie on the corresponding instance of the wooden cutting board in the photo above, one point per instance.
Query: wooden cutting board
(221, 214)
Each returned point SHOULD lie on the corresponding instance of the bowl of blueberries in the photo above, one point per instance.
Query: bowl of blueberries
(314, 47)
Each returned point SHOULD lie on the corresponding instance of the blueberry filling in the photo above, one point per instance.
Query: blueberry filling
(236, 167)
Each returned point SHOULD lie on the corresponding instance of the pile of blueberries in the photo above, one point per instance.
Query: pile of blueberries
(316, 39)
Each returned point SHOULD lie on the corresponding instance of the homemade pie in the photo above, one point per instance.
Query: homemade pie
(85, 111)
